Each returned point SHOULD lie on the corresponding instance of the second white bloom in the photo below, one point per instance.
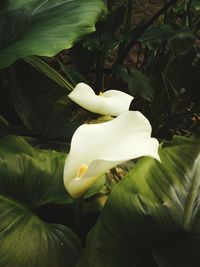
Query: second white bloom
(111, 102)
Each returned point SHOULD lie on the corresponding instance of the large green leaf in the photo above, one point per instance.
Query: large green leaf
(38, 27)
(26, 241)
(154, 210)
(30, 178)
(30, 175)
(34, 176)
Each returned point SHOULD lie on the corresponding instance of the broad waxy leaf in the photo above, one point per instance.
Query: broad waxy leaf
(26, 241)
(34, 176)
(30, 178)
(31, 175)
(154, 210)
(38, 27)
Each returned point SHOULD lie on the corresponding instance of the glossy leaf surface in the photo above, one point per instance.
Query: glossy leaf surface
(30, 178)
(154, 210)
(31, 175)
(44, 28)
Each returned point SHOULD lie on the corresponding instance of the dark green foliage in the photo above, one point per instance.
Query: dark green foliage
(30, 178)
(43, 105)
(155, 210)
(44, 27)
(139, 84)
(152, 216)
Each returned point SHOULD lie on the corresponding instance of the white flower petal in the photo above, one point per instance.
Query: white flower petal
(103, 146)
(111, 102)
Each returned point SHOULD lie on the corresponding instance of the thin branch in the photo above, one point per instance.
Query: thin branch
(137, 32)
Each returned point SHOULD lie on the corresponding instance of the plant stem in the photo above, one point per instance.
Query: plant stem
(127, 30)
(100, 75)
(110, 4)
(188, 4)
(165, 13)
(138, 56)
(78, 217)
(137, 32)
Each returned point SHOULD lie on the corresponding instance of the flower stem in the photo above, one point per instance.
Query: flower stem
(79, 217)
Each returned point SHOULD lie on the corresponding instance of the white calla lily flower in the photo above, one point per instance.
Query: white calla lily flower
(111, 102)
(96, 148)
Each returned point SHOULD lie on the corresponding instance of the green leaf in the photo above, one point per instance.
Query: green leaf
(72, 75)
(25, 240)
(182, 42)
(156, 210)
(30, 178)
(180, 9)
(104, 39)
(43, 105)
(101, 41)
(33, 176)
(44, 28)
(157, 35)
(180, 39)
(196, 5)
(114, 19)
(50, 72)
(38, 171)
(139, 84)
(4, 126)
(171, 93)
